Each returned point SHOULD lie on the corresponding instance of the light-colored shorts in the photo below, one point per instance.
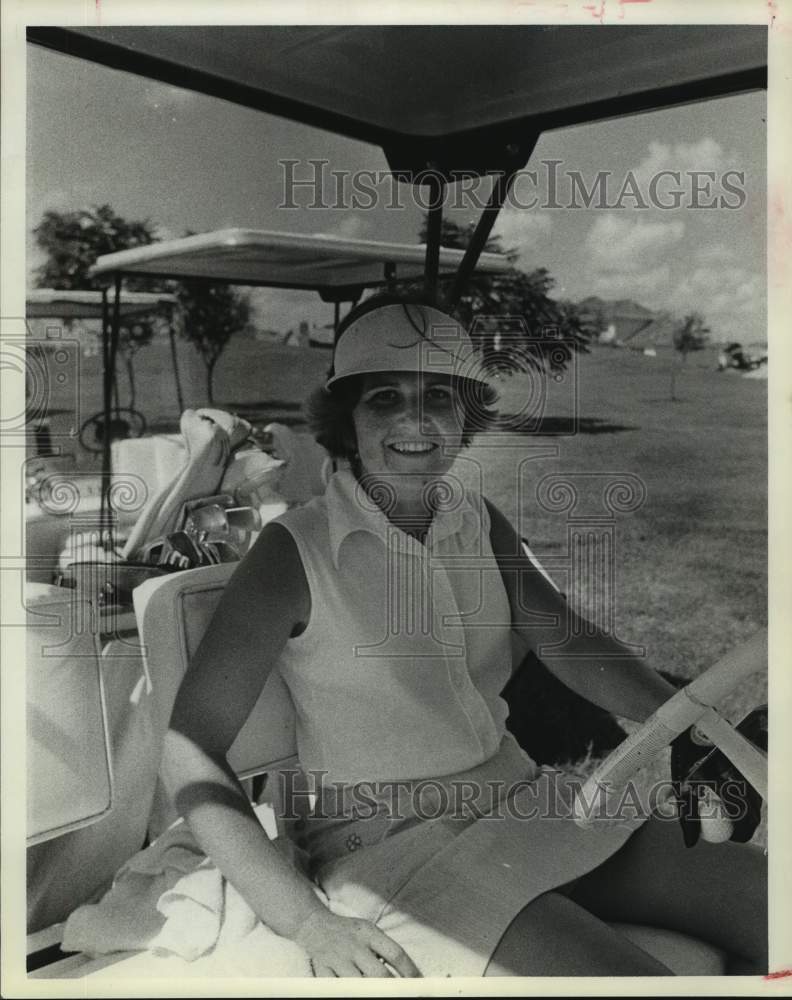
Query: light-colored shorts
(447, 869)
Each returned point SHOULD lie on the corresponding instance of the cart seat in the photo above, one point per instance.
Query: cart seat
(173, 613)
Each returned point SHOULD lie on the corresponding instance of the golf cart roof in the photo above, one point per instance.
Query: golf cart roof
(54, 303)
(285, 260)
(453, 96)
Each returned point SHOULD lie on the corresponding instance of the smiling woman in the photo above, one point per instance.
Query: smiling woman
(451, 396)
(440, 846)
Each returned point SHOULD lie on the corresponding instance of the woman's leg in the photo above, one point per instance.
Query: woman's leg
(552, 936)
(716, 892)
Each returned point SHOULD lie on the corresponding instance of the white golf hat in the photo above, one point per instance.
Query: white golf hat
(406, 337)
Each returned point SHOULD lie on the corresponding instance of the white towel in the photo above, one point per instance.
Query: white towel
(171, 900)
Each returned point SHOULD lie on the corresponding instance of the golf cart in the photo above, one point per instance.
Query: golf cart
(493, 91)
(339, 270)
(50, 473)
(225, 487)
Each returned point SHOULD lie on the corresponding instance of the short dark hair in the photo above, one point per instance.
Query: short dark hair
(330, 411)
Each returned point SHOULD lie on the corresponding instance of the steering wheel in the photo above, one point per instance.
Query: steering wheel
(124, 423)
(692, 705)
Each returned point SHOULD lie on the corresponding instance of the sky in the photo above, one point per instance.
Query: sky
(189, 162)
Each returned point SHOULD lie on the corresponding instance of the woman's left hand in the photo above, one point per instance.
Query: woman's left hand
(700, 770)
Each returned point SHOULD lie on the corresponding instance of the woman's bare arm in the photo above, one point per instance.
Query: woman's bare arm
(590, 662)
(264, 602)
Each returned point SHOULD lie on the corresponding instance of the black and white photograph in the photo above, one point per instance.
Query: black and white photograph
(394, 465)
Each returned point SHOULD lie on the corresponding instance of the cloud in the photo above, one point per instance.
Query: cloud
(716, 254)
(628, 258)
(639, 285)
(717, 286)
(615, 242)
(522, 229)
(730, 296)
(706, 154)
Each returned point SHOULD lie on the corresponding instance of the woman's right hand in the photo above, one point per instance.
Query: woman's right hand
(348, 946)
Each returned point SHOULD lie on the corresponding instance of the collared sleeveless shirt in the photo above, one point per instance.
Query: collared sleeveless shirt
(399, 671)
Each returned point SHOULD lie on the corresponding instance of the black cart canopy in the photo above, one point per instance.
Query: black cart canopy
(450, 97)
(441, 100)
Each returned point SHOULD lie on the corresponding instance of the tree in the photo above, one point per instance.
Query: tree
(528, 328)
(212, 314)
(72, 242)
(690, 335)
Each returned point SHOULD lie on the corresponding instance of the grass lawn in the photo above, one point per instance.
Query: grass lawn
(690, 564)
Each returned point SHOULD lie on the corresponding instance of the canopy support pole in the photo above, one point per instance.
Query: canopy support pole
(336, 316)
(106, 403)
(500, 191)
(434, 229)
(110, 349)
(486, 221)
(175, 362)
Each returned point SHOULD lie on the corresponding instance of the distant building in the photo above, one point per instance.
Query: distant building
(625, 323)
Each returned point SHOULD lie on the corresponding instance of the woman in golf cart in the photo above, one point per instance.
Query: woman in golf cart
(440, 845)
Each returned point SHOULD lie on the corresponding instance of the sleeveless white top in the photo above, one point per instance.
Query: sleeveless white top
(399, 672)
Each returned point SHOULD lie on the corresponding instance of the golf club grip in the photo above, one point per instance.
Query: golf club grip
(749, 760)
(673, 717)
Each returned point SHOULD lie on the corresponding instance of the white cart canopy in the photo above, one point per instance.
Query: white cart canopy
(53, 303)
(285, 260)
